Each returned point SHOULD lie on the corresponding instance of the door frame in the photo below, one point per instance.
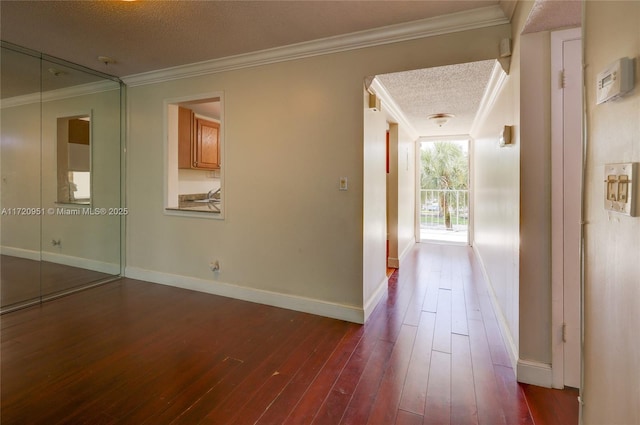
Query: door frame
(418, 167)
(557, 211)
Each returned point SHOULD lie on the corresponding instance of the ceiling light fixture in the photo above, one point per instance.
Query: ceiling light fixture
(440, 119)
(56, 72)
(106, 60)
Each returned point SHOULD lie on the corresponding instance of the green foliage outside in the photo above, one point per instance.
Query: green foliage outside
(444, 167)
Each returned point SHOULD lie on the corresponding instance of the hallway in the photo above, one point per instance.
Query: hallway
(131, 352)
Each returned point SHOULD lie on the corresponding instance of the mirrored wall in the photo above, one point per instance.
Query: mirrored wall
(60, 171)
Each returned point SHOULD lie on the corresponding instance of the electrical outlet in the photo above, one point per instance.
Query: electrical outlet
(214, 266)
(344, 184)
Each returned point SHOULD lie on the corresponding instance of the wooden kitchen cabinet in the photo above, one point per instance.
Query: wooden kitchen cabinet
(198, 141)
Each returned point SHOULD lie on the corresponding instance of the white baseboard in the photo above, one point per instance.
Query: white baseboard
(28, 254)
(535, 373)
(292, 302)
(375, 298)
(507, 338)
(83, 263)
(67, 260)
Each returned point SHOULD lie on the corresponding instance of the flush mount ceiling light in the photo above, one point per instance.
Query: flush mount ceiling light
(106, 60)
(56, 72)
(440, 119)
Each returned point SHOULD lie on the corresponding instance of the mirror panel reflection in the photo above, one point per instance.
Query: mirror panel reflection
(60, 171)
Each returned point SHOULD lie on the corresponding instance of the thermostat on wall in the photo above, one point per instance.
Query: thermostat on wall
(615, 81)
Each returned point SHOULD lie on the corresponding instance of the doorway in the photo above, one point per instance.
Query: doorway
(567, 169)
(443, 192)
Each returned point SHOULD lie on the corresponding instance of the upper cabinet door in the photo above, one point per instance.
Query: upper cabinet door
(207, 144)
(185, 137)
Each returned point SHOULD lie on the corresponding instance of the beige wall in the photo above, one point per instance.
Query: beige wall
(375, 206)
(512, 227)
(535, 199)
(612, 282)
(289, 232)
(406, 192)
(496, 194)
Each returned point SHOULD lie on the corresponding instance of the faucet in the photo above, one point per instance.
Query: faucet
(212, 194)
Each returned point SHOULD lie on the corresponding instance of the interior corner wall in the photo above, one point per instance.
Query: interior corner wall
(406, 193)
(497, 192)
(401, 195)
(535, 208)
(291, 130)
(611, 389)
(392, 197)
(374, 205)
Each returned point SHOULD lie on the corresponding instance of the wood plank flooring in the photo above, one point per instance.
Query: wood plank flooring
(132, 352)
(26, 280)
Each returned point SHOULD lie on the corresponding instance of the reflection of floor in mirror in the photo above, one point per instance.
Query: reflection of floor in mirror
(24, 280)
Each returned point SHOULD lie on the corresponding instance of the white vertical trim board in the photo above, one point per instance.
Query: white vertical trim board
(557, 197)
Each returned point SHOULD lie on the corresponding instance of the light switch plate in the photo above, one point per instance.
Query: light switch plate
(344, 184)
(621, 188)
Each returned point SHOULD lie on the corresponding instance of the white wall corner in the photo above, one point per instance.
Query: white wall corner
(345, 312)
(392, 108)
(534, 373)
(375, 298)
(494, 87)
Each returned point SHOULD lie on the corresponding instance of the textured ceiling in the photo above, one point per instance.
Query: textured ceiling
(149, 35)
(455, 89)
(553, 14)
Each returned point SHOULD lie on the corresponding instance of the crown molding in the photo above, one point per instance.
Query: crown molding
(494, 87)
(392, 108)
(64, 93)
(455, 22)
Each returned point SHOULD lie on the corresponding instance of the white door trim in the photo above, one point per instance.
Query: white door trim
(557, 209)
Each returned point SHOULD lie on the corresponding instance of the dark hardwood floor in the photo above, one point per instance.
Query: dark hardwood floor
(132, 352)
(26, 280)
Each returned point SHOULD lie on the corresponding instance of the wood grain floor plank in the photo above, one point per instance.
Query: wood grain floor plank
(464, 410)
(358, 409)
(140, 353)
(442, 335)
(387, 400)
(490, 411)
(408, 418)
(414, 393)
(314, 397)
(437, 409)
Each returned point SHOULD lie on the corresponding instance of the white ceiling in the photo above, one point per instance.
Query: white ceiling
(149, 35)
(143, 36)
(455, 89)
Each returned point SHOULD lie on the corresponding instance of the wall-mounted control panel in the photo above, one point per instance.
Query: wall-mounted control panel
(615, 81)
(621, 188)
